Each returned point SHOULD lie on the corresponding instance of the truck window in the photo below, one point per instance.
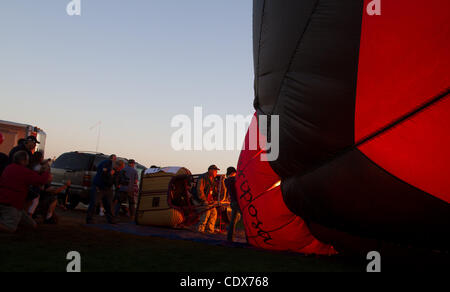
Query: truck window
(73, 161)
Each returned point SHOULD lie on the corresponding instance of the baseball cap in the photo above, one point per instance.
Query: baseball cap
(214, 167)
(231, 170)
(32, 138)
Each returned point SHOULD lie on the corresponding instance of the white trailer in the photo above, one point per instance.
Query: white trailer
(13, 132)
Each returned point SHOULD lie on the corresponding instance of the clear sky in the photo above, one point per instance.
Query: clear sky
(132, 65)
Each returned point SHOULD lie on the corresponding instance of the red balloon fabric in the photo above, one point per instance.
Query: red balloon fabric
(364, 108)
(269, 223)
(403, 65)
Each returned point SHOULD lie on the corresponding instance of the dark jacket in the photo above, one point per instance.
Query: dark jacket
(111, 180)
(103, 176)
(230, 183)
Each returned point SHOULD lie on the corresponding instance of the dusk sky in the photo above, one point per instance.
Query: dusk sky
(133, 65)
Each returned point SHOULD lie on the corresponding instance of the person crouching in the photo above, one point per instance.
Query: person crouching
(14, 185)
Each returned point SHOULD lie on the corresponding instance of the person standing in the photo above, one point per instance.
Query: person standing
(206, 190)
(14, 186)
(28, 145)
(230, 183)
(101, 191)
(128, 181)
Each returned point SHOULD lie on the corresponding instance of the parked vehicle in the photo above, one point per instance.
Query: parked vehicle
(80, 168)
(13, 132)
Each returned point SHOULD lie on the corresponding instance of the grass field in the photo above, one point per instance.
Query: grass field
(45, 249)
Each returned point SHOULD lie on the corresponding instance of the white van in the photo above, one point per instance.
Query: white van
(13, 132)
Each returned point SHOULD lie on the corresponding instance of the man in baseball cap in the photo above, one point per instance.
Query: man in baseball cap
(32, 139)
(213, 167)
(206, 190)
(28, 145)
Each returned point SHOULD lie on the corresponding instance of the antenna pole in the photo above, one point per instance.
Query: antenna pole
(98, 137)
(99, 128)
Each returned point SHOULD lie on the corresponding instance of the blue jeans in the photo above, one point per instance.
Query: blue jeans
(105, 196)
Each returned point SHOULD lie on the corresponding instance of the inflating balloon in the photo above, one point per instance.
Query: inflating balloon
(364, 109)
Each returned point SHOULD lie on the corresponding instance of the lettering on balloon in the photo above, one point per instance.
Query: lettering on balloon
(247, 196)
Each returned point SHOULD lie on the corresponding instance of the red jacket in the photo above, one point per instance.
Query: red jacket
(15, 182)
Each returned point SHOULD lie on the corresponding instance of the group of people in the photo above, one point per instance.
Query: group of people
(208, 192)
(114, 184)
(26, 191)
(25, 187)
